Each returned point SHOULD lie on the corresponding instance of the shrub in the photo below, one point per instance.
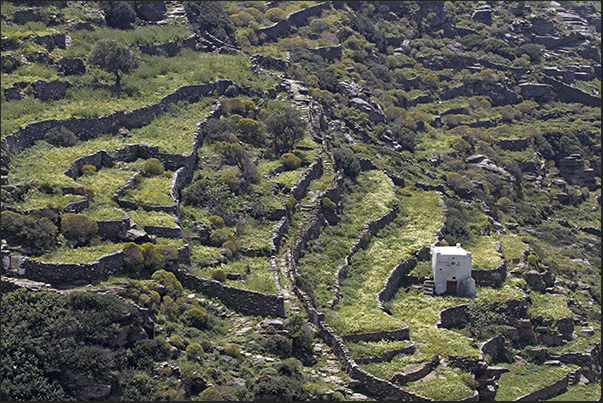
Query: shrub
(275, 14)
(133, 259)
(290, 204)
(219, 275)
(346, 160)
(232, 245)
(251, 130)
(216, 221)
(118, 14)
(209, 16)
(194, 352)
(153, 259)
(88, 170)
(169, 253)
(218, 237)
(78, 227)
(18, 229)
(328, 204)
(173, 287)
(197, 317)
(60, 137)
(153, 167)
(232, 350)
(195, 194)
(290, 161)
(210, 394)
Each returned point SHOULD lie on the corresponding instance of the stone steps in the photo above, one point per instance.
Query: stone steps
(428, 287)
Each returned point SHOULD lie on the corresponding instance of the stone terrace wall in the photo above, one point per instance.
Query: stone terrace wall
(87, 128)
(113, 229)
(314, 171)
(245, 301)
(395, 280)
(64, 273)
(457, 315)
(552, 390)
(295, 19)
(398, 334)
(279, 231)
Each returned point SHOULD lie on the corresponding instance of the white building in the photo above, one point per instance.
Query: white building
(451, 267)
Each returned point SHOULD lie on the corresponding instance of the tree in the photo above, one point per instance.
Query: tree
(209, 16)
(287, 128)
(118, 14)
(113, 57)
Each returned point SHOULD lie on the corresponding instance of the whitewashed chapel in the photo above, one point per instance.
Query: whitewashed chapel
(451, 266)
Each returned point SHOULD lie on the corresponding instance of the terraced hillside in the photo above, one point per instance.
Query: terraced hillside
(245, 208)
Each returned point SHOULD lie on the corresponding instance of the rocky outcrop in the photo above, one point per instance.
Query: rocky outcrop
(72, 66)
(47, 90)
(571, 168)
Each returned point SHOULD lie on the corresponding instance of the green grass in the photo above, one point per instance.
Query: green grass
(364, 349)
(153, 190)
(84, 254)
(106, 181)
(36, 199)
(580, 393)
(142, 218)
(444, 383)
(414, 227)
(104, 213)
(549, 306)
(525, 378)
(483, 253)
(512, 246)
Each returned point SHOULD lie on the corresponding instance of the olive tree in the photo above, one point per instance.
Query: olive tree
(113, 57)
(286, 127)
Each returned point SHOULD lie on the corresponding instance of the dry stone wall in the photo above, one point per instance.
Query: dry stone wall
(88, 128)
(244, 301)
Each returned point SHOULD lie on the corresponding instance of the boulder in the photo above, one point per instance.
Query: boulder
(72, 66)
(46, 90)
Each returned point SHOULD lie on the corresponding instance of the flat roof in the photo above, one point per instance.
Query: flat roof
(449, 250)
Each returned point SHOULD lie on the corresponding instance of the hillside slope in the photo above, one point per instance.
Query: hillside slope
(244, 209)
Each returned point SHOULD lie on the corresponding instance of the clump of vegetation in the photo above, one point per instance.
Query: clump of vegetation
(290, 161)
(113, 57)
(78, 228)
(153, 167)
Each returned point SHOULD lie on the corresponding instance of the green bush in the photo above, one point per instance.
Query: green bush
(210, 394)
(216, 221)
(153, 167)
(60, 137)
(232, 350)
(170, 254)
(232, 245)
(219, 275)
(217, 238)
(346, 160)
(196, 193)
(286, 126)
(19, 229)
(328, 204)
(133, 259)
(197, 317)
(118, 14)
(153, 259)
(88, 170)
(173, 287)
(290, 204)
(78, 227)
(290, 161)
(194, 352)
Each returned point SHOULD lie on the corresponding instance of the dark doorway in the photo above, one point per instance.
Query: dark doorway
(451, 287)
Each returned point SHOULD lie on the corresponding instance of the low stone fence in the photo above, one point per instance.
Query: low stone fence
(369, 229)
(378, 335)
(314, 171)
(545, 393)
(491, 278)
(456, 316)
(394, 280)
(113, 229)
(387, 355)
(88, 128)
(294, 19)
(62, 273)
(98, 159)
(279, 231)
(402, 378)
(164, 232)
(244, 301)
(77, 206)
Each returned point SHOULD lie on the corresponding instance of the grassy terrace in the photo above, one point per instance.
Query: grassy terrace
(153, 190)
(421, 215)
(372, 196)
(524, 378)
(142, 218)
(255, 271)
(44, 164)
